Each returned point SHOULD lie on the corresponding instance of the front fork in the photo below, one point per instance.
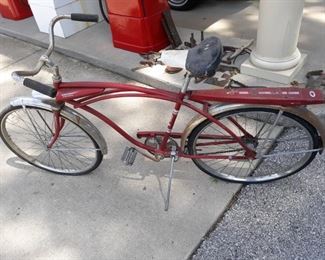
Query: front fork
(58, 126)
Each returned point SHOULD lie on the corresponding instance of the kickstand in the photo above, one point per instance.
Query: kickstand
(173, 158)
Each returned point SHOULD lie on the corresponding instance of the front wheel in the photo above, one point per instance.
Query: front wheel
(283, 142)
(28, 130)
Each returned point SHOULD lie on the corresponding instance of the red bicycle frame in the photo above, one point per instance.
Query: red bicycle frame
(83, 94)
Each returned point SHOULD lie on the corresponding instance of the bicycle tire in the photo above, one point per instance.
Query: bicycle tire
(27, 130)
(259, 170)
(182, 5)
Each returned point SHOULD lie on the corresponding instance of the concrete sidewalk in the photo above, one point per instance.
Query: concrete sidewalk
(115, 213)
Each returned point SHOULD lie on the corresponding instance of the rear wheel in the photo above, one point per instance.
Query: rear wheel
(27, 132)
(284, 144)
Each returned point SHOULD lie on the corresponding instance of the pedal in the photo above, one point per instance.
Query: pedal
(129, 156)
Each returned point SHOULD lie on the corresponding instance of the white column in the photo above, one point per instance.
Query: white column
(277, 37)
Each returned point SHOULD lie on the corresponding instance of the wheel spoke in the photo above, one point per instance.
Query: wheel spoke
(28, 130)
(283, 144)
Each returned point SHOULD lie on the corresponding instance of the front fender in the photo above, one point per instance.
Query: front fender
(67, 112)
(302, 112)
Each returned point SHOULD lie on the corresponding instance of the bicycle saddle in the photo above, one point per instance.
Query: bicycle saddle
(204, 59)
(200, 61)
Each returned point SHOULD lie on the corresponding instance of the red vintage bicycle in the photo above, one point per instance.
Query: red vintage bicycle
(243, 135)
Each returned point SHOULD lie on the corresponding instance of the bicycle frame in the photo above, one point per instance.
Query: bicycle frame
(83, 94)
(289, 102)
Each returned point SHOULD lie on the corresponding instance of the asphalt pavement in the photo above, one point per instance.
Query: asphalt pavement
(282, 220)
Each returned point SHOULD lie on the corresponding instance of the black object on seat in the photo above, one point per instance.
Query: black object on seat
(204, 59)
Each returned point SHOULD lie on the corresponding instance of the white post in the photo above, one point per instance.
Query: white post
(276, 56)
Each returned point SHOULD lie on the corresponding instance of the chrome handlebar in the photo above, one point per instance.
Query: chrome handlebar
(44, 59)
(51, 32)
(20, 75)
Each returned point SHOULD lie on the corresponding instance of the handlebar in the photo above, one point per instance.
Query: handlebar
(74, 17)
(39, 87)
(84, 17)
(44, 59)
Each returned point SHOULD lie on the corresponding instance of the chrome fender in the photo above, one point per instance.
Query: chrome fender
(67, 112)
(302, 112)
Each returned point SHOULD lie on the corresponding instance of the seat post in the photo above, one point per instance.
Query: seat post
(186, 83)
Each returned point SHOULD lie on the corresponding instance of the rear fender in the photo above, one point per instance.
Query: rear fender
(302, 112)
(67, 112)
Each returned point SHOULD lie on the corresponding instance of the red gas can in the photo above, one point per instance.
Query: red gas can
(137, 24)
(15, 9)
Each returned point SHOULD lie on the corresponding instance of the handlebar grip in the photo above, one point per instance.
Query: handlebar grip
(84, 17)
(39, 87)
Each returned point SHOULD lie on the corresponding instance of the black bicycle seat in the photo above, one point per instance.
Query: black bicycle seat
(204, 59)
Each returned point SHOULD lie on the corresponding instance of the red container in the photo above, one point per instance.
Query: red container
(137, 24)
(15, 9)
